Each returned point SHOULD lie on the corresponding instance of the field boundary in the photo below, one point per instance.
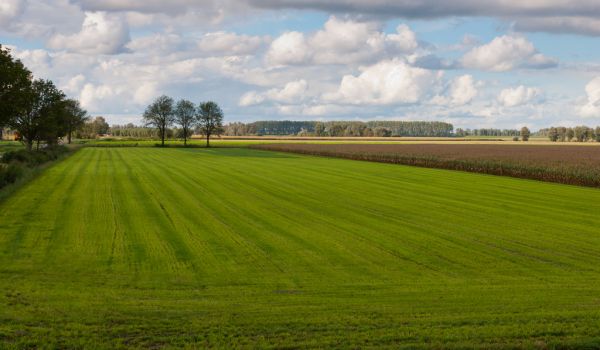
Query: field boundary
(498, 168)
(33, 173)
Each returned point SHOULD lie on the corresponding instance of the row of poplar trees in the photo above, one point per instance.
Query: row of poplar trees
(35, 108)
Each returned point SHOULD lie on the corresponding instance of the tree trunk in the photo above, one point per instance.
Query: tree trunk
(69, 137)
(29, 145)
(162, 134)
(207, 140)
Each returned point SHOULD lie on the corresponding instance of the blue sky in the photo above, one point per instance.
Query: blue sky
(500, 63)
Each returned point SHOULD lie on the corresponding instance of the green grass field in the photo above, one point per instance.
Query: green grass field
(152, 248)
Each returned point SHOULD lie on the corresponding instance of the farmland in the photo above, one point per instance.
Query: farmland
(152, 248)
(568, 163)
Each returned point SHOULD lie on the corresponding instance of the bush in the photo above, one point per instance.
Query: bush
(10, 173)
(516, 138)
(34, 158)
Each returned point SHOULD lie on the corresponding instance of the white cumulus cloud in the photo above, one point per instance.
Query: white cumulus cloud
(505, 53)
(387, 82)
(591, 107)
(101, 33)
(520, 95)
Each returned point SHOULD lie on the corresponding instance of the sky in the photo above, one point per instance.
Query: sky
(473, 63)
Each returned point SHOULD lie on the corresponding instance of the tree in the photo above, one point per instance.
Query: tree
(160, 114)
(597, 134)
(562, 134)
(100, 126)
(210, 120)
(580, 133)
(185, 116)
(525, 133)
(553, 134)
(75, 117)
(15, 87)
(38, 118)
(570, 134)
(319, 129)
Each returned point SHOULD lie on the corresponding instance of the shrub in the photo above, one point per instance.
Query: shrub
(34, 158)
(10, 173)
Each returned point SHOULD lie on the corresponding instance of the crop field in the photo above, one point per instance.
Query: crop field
(565, 163)
(242, 248)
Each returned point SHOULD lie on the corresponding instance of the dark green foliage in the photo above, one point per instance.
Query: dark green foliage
(15, 81)
(9, 173)
(34, 158)
(16, 164)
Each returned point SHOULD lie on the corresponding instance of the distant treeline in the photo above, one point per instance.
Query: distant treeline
(487, 132)
(341, 128)
(578, 133)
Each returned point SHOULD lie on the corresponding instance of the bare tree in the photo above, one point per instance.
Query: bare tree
(210, 120)
(160, 114)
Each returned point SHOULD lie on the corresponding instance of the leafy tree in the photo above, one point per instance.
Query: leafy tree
(75, 117)
(380, 131)
(15, 87)
(100, 126)
(570, 134)
(185, 116)
(160, 114)
(597, 134)
(562, 133)
(319, 129)
(580, 133)
(210, 120)
(525, 133)
(553, 134)
(38, 118)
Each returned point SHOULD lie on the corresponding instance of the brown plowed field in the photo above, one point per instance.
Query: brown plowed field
(576, 165)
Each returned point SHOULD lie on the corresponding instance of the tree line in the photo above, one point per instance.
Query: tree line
(564, 134)
(35, 108)
(340, 128)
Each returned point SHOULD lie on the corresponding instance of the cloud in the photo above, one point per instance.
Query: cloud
(558, 24)
(505, 53)
(289, 48)
(293, 92)
(517, 96)
(10, 10)
(591, 107)
(341, 41)
(435, 9)
(461, 91)
(229, 44)
(387, 82)
(101, 33)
